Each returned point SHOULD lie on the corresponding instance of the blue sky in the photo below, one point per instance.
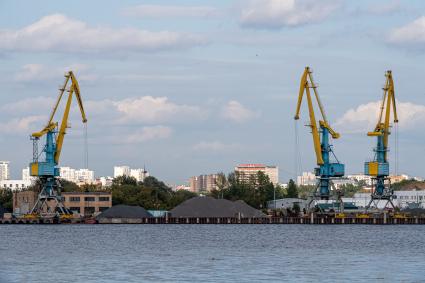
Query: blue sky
(195, 87)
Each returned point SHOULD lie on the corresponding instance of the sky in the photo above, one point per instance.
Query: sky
(197, 87)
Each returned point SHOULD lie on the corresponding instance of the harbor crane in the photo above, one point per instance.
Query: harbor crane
(49, 200)
(379, 167)
(326, 169)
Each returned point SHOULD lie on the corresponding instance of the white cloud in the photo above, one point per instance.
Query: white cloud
(59, 33)
(150, 109)
(279, 13)
(148, 133)
(410, 35)
(39, 72)
(166, 11)
(28, 105)
(21, 125)
(128, 111)
(364, 118)
(215, 146)
(236, 112)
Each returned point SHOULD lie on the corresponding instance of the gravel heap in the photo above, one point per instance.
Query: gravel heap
(124, 211)
(211, 207)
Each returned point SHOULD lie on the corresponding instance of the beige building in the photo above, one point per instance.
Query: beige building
(245, 171)
(398, 178)
(87, 203)
(78, 202)
(24, 201)
(203, 183)
(307, 179)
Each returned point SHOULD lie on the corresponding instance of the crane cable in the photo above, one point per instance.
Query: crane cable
(86, 149)
(297, 153)
(396, 148)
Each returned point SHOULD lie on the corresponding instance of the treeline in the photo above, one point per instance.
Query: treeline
(149, 194)
(256, 191)
(408, 185)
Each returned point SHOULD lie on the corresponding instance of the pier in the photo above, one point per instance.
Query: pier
(310, 220)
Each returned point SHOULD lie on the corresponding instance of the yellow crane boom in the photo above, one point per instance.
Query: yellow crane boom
(383, 126)
(74, 89)
(305, 85)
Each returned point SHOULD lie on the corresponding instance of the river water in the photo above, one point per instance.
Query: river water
(212, 253)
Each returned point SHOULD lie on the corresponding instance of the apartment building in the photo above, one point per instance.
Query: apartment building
(246, 171)
(203, 183)
(4, 170)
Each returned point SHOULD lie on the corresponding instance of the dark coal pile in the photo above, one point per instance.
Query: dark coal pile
(211, 207)
(245, 209)
(124, 211)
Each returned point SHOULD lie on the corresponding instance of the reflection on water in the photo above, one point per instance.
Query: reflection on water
(211, 253)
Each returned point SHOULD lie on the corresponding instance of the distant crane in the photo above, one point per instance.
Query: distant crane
(49, 201)
(379, 167)
(326, 170)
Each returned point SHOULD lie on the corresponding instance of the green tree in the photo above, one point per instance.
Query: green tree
(67, 186)
(292, 191)
(124, 180)
(256, 191)
(6, 199)
(349, 190)
(221, 183)
(150, 194)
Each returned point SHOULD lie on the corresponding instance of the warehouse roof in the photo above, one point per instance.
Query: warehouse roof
(211, 207)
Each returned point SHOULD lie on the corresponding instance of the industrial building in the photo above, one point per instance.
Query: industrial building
(24, 201)
(83, 203)
(87, 203)
(402, 199)
(287, 203)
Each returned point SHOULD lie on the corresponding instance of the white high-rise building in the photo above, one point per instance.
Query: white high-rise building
(77, 175)
(361, 178)
(84, 175)
(4, 170)
(26, 175)
(67, 173)
(139, 174)
(105, 181)
(121, 171)
(306, 179)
